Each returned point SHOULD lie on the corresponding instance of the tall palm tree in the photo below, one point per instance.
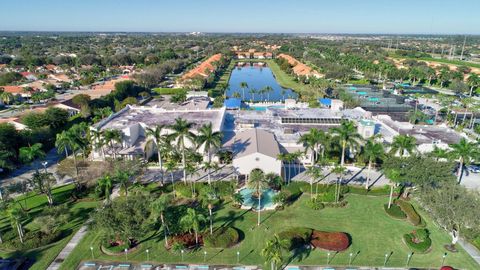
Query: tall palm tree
(315, 140)
(15, 215)
(122, 178)
(171, 166)
(439, 153)
(159, 207)
(30, 153)
(372, 151)
(473, 81)
(98, 141)
(315, 173)
(339, 171)
(258, 182)
(6, 97)
(403, 145)
(210, 141)
(243, 85)
(182, 134)
(463, 151)
(112, 136)
(193, 221)
(105, 185)
(252, 92)
(347, 136)
(394, 176)
(267, 90)
(272, 252)
(62, 142)
(159, 141)
(283, 157)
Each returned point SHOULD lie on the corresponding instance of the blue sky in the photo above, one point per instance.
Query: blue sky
(279, 16)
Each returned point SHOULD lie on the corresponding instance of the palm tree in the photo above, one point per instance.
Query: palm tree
(243, 85)
(283, 157)
(105, 184)
(155, 138)
(315, 140)
(252, 92)
(30, 153)
(347, 136)
(463, 151)
(372, 151)
(267, 90)
(258, 182)
(123, 177)
(62, 142)
(439, 153)
(98, 141)
(193, 221)
(473, 81)
(273, 251)
(171, 166)
(403, 145)
(394, 176)
(339, 171)
(6, 97)
(181, 133)
(315, 173)
(210, 141)
(112, 136)
(159, 207)
(236, 94)
(16, 215)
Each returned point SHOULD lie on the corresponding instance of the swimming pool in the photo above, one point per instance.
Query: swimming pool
(264, 108)
(266, 201)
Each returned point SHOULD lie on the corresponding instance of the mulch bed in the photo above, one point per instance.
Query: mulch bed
(334, 241)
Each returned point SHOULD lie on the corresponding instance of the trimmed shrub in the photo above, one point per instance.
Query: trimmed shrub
(395, 211)
(168, 91)
(372, 192)
(418, 241)
(412, 215)
(222, 238)
(328, 196)
(224, 188)
(334, 241)
(315, 204)
(297, 237)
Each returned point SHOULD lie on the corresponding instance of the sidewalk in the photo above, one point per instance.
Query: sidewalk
(470, 249)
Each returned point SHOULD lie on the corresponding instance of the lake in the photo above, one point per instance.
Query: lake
(257, 76)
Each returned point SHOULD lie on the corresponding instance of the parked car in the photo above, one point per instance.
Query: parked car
(474, 168)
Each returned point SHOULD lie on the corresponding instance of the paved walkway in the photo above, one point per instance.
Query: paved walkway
(75, 240)
(470, 249)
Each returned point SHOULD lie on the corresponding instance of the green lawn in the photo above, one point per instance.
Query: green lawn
(441, 60)
(284, 79)
(43, 256)
(373, 233)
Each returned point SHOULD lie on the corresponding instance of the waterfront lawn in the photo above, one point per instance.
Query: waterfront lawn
(286, 80)
(43, 256)
(373, 233)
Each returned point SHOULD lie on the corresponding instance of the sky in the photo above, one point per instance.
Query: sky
(246, 16)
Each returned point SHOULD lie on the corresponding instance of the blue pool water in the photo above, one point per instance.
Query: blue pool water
(264, 108)
(265, 202)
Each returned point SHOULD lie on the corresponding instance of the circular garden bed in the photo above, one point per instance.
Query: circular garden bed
(222, 238)
(116, 248)
(334, 241)
(418, 241)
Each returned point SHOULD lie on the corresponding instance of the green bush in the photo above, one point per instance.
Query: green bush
(395, 211)
(326, 197)
(315, 204)
(168, 91)
(183, 190)
(115, 249)
(297, 187)
(372, 192)
(296, 237)
(31, 240)
(222, 238)
(418, 241)
(412, 215)
(225, 188)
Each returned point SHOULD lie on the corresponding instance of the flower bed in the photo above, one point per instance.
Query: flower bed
(187, 240)
(222, 238)
(395, 211)
(418, 241)
(412, 215)
(297, 237)
(334, 241)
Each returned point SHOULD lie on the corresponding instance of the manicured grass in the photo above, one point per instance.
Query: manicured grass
(284, 79)
(43, 256)
(373, 234)
(167, 91)
(441, 60)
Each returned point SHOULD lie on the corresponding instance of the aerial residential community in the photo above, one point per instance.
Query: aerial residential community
(149, 141)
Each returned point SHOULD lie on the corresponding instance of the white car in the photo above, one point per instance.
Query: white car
(474, 169)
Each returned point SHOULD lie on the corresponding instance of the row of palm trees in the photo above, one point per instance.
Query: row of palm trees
(252, 91)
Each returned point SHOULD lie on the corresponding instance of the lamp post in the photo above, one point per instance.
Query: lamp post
(443, 258)
(238, 257)
(350, 261)
(409, 257)
(328, 258)
(45, 166)
(148, 255)
(204, 256)
(386, 258)
(182, 251)
(126, 254)
(91, 250)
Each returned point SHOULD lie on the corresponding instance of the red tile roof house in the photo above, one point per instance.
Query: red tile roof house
(16, 90)
(203, 70)
(299, 68)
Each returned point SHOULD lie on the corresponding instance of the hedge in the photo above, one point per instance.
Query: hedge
(412, 215)
(168, 91)
(296, 237)
(31, 240)
(372, 192)
(395, 211)
(334, 241)
(222, 238)
(418, 245)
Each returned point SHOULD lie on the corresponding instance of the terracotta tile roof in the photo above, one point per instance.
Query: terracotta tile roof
(299, 68)
(204, 69)
(13, 89)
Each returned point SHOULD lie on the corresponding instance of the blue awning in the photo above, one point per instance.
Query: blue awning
(325, 101)
(232, 103)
